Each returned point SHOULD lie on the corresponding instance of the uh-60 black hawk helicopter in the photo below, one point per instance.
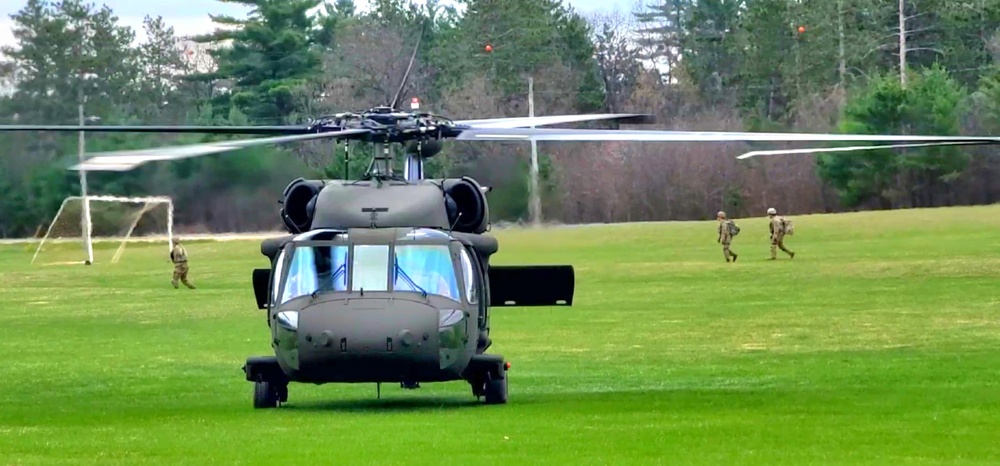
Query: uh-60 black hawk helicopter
(388, 278)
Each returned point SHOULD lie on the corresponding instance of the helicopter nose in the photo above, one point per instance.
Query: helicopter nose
(371, 330)
(377, 341)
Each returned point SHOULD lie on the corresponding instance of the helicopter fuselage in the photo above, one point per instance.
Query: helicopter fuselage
(375, 305)
(385, 281)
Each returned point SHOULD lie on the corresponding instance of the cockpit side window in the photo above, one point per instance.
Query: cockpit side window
(279, 264)
(301, 278)
(470, 278)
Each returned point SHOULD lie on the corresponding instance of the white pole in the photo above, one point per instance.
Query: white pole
(535, 206)
(86, 224)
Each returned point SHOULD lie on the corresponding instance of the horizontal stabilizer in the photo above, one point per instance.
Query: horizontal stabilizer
(531, 285)
(261, 285)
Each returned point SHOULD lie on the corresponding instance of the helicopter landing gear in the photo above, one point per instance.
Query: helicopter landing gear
(270, 384)
(268, 394)
(488, 377)
(496, 391)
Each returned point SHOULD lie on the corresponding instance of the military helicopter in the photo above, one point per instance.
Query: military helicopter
(387, 279)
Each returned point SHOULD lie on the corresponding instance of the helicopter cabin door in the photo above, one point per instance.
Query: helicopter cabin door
(265, 282)
(262, 287)
(531, 285)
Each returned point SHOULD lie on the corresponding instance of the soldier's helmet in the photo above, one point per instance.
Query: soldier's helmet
(772, 211)
(720, 214)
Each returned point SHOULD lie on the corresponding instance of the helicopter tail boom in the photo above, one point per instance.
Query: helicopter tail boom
(531, 285)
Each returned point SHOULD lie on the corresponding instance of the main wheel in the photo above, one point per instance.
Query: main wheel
(264, 395)
(496, 391)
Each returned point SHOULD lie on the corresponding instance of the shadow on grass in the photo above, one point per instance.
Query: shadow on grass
(681, 399)
(389, 405)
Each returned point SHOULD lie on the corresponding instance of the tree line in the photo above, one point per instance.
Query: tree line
(906, 67)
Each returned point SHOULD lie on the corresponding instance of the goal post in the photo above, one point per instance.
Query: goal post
(111, 219)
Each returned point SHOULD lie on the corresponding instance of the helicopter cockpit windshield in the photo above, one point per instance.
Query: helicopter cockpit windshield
(338, 266)
(425, 268)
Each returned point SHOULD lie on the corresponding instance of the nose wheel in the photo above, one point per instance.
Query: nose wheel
(270, 386)
(490, 379)
(496, 391)
(267, 394)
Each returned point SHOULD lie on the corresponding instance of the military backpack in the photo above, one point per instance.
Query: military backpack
(733, 228)
(787, 226)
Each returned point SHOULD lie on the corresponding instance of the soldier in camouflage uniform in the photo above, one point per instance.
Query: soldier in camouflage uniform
(725, 237)
(178, 255)
(778, 234)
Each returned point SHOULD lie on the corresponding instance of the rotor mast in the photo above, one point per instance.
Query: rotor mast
(414, 167)
(413, 164)
(381, 167)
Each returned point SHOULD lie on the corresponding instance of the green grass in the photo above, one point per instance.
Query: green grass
(878, 344)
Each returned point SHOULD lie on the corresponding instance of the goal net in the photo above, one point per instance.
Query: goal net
(113, 223)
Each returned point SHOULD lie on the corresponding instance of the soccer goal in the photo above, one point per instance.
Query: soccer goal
(108, 220)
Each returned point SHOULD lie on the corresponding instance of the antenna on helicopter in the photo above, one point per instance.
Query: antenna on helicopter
(413, 163)
(395, 100)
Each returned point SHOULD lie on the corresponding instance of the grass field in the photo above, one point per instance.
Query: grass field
(878, 344)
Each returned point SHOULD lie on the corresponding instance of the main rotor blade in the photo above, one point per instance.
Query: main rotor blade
(125, 160)
(855, 148)
(489, 134)
(525, 122)
(162, 129)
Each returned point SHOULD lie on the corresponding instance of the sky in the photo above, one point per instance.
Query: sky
(190, 17)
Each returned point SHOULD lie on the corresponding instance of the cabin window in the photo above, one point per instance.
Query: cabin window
(370, 268)
(425, 267)
(470, 278)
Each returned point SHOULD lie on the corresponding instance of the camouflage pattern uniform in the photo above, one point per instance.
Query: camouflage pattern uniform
(777, 234)
(178, 255)
(724, 237)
